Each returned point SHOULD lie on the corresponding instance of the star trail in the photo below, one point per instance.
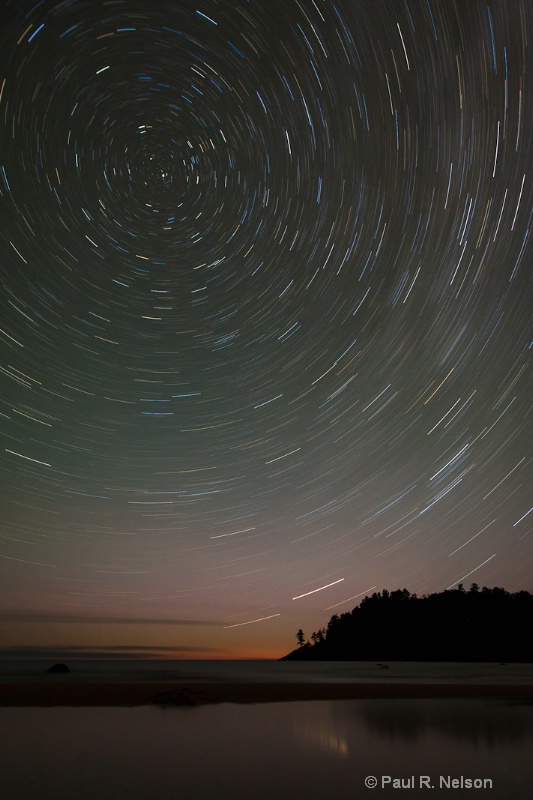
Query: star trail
(265, 326)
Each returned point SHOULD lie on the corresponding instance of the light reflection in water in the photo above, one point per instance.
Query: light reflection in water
(288, 750)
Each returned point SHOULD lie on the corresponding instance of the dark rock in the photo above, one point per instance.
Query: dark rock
(58, 668)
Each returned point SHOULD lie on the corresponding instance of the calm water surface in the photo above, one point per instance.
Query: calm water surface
(269, 671)
(307, 750)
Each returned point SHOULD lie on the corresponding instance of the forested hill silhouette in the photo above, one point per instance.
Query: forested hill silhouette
(456, 625)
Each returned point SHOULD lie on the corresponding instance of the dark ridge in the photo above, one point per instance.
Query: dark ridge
(483, 625)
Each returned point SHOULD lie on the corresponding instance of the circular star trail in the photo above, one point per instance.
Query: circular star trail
(266, 315)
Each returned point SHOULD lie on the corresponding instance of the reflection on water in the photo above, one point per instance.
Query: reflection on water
(282, 750)
(489, 723)
(325, 730)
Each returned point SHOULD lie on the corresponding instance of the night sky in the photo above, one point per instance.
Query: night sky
(265, 328)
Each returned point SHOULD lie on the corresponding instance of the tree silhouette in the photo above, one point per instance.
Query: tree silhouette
(319, 636)
(454, 625)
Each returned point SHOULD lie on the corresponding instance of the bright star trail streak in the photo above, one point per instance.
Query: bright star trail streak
(265, 314)
(251, 621)
(320, 589)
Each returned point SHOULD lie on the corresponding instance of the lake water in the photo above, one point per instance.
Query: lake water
(302, 751)
(269, 671)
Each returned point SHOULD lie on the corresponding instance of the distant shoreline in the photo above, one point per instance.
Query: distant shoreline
(172, 693)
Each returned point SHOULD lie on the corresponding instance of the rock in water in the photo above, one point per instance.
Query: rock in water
(58, 668)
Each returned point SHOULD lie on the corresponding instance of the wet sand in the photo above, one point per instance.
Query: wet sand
(192, 694)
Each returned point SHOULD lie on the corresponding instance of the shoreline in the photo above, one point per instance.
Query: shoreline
(172, 693)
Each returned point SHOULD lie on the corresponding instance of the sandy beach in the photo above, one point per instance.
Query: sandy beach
(191, 694)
